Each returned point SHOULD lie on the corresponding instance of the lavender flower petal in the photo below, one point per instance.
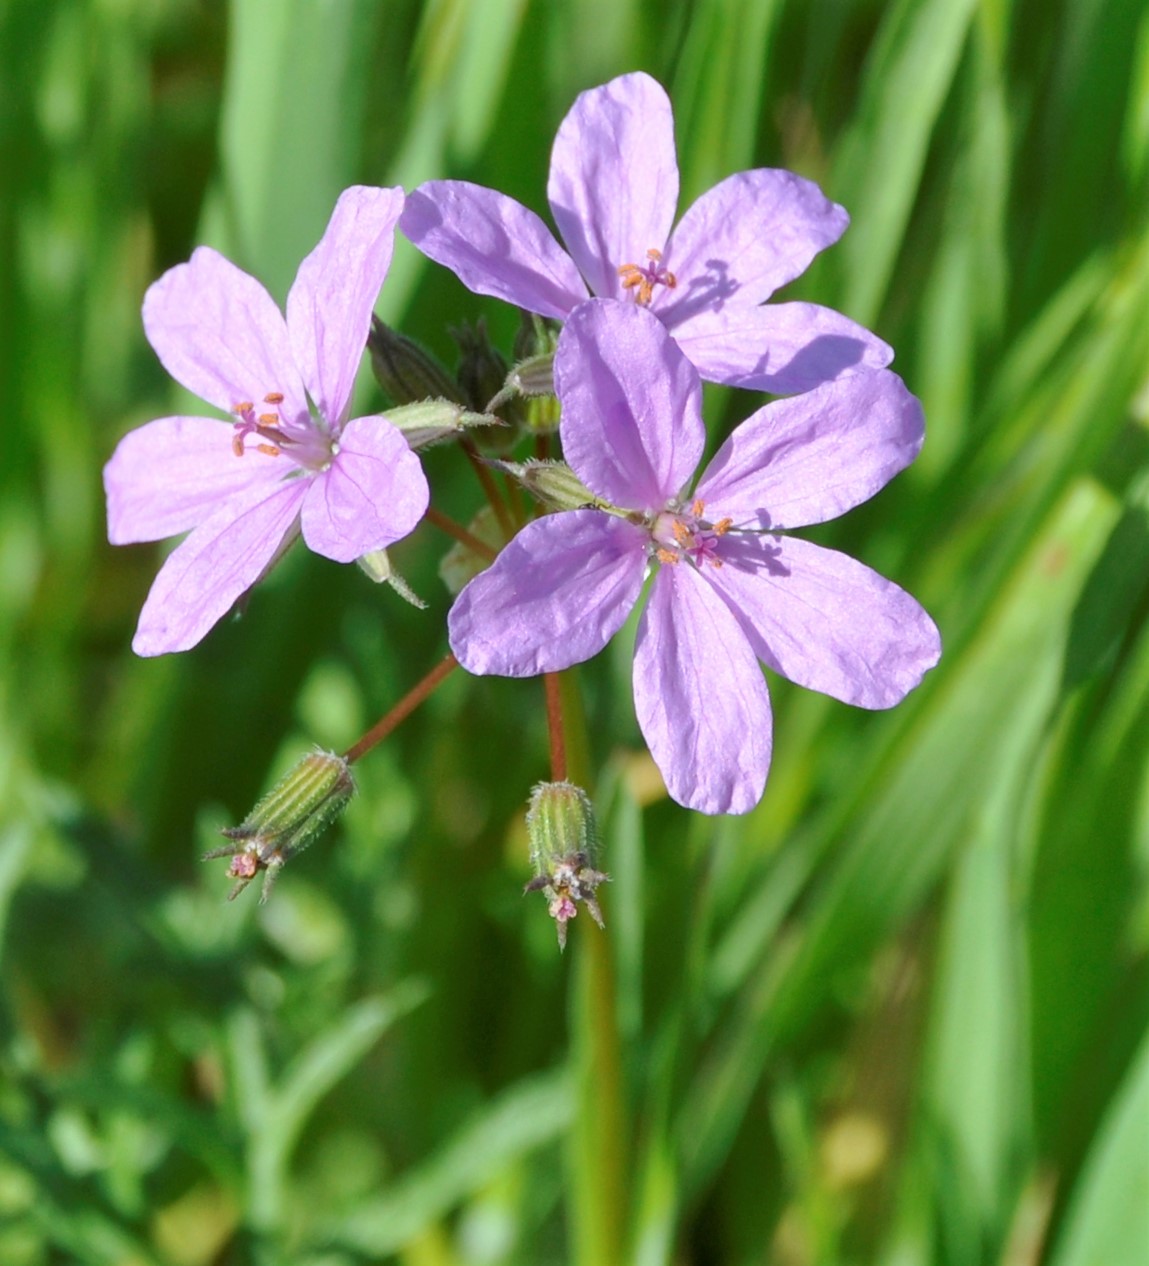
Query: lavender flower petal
(219, 561)
(613, 184)
(218, 332)
(745, 237)
(700, 697)
(781, 348)
(169, 475)
(554, 597)
(373, 493)
(826, 621)
(812, 457)
(631, 423)
(494, 245)
(330, 302)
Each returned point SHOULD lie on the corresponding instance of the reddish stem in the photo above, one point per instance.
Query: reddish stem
(403, 709)
(553, 685)
(445, 523)
(490, 488)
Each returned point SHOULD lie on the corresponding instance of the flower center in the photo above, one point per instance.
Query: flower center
(643, 279)
(679, 534)
(306, 446)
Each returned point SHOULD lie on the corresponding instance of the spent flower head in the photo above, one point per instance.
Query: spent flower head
(290, 461)
(613, 191)
(297, 809)
(564, 847)
(729, 588)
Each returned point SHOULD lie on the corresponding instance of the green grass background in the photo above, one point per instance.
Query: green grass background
(900, 1013)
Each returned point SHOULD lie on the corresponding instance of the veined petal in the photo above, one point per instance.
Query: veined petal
(330, 302)
(745, 237)
(494, 245)
(372, 494)
(219, 561)
(169, 475)
(812, 457)
(781, 348)
(700, 697)
(218, 332)
(631, 405)
(825, 620)
(613, 184)
(554, 597)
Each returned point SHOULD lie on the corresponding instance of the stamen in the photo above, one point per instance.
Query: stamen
(697, 507)
(237, 443)
(268, 419)
(644, 279)
(245, 406)
(268, 450)
(723, 526)
(273, 397)
(667, 556)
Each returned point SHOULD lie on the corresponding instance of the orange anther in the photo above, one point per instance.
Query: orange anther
(273, 397)
(723, 526)
(245, 406)
(670, 281)
(237, 445)
(666, 556)
(653, 253)
(681, 532)
(697, 507)
(269, 450)
(269, 419)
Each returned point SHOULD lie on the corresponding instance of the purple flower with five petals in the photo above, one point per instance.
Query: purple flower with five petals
(290, 461)
(613, 190)
(728, 588)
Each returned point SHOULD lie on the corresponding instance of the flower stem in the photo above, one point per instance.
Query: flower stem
(494, 496)
(598, 1148)
(553, 684)
(403, 709)
(445, 523)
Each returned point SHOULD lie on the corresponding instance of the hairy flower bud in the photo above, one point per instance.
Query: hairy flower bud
(404, 370)
(482, 367)
(426, 422)
(286, 820)
(564, 844)
(554, 484)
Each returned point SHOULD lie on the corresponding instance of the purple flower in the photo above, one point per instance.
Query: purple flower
(290, 461)
(613, 190)
(728, 589)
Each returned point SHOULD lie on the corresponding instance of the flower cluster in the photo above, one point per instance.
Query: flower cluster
(648, 309)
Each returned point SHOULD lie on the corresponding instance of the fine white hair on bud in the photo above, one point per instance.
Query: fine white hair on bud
(308, 799)
(564, 850)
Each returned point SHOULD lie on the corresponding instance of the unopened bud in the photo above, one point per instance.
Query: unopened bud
(482, 367)
(404, 370)
(529, 388)
(554, 484)
(564, 846)
(286, 820)
(426, 422)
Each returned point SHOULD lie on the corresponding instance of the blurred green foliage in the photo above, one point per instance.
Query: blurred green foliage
(898, 1014)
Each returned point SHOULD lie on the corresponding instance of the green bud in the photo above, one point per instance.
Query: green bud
(553, 483)
(404, 370)
(286, 820)
(564, 845)
(532, 382)
(426, 422)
